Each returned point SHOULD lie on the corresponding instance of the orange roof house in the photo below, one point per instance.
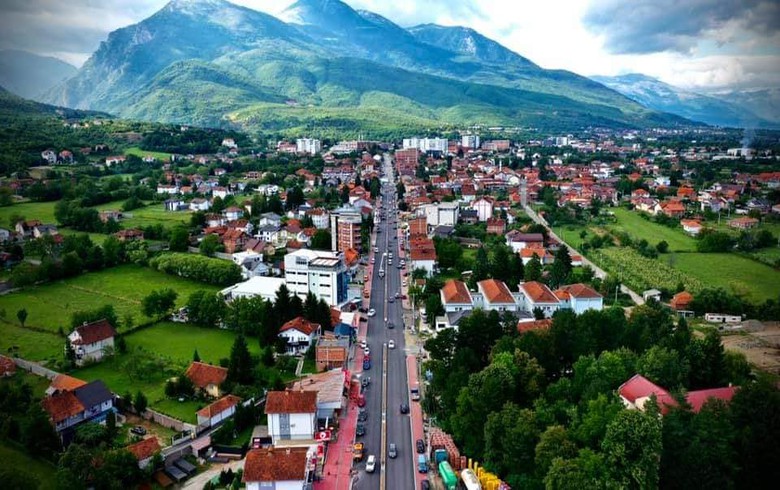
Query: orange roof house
(207, 377)
(682, 301)
(275, 465)
(290, 401)
(495, 292)
(455, 292)
(144, 450)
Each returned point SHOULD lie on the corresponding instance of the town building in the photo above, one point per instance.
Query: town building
(91, 341)
(262, 286)
(538, 295)
(299, 334)
(579, 298)
(426, 145)
(308, 146)
(322, 273)
(286, 468)
(291, 415)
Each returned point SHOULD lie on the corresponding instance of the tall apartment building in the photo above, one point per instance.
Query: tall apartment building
(322, 273)
(426, 144)
(406, 161)
(470, 141)
(308, 146)
(345, 228)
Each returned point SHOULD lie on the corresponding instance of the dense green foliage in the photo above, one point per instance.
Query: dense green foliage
(198, 268)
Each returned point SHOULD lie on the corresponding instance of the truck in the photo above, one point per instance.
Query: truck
(422, 463)
(448, 476)
(415, 391)
(357, 452)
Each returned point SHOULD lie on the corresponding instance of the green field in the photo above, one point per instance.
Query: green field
(741, 275)
(632, 223)
(26, 343)
(174, 344)
(50, 306)
(43, 211)
(42, 471)
(152, 214)
(165, 157)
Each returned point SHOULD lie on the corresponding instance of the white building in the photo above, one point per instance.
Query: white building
(484, 208)
(265, 287)
(470, 141)
(323, 273)
(455, 296)
(90, 341)
(200, 204)
(449, 212)
(292, 415)
(308, 146)
(538, 295)
(219, 411)
(299, 334)
(426, 144)
(273, 468)
(580, 298)
(320, 218)
(496, 296)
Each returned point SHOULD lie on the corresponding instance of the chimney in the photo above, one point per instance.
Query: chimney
(287, 451)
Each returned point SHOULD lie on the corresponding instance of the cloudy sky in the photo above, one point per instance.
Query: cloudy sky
(702, 44)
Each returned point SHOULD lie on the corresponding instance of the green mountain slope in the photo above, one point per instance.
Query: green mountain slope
(29, 75)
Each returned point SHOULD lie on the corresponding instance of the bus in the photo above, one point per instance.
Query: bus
(448, 476)
(470, 480)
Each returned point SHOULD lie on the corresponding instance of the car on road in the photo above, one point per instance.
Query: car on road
(392, 452)
(390, 299)
(371, 312)
(357, 451)
(362, 416)
(420, 445)
(390, 325)
(376, 250)
(365, 381)
(404, 283)
(391, 344)
(371, 464)
(138, 430)
(373, 260)
(360, 430)
(366, 351)
(404, 408)
(363, 344)
(397, 295)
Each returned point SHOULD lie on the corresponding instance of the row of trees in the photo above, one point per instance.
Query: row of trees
(197, 268)
(553, 418)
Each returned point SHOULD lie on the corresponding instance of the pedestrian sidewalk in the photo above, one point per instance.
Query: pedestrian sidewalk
(415, 413)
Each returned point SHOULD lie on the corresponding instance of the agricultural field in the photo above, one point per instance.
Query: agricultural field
(641, 273)
(42, 471)
(758, 282)
(164, 157)
(50, 306)
(632, 223)
(152, 214)
(29, 344)
(43, 211)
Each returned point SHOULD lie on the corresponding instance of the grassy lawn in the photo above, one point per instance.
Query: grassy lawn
(142, 153)
(179, 341)
(43, 211)
(51, 305)
(44, 472)
(26, 343)
(769, 255)
(733, 273)
(152, 214)
(636, 226)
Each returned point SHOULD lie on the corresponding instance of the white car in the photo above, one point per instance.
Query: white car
(373, 260)
(371, 463)
(404, 283)
(363, 344)
(391, 344)
(376, 250)
(371, 312)
(367, 351)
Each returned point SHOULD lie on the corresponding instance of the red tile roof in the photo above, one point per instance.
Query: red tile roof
(423, 254)
(579, 291)
(275, 465)
(290, 401)
(681, 300)
(640, 387)
(94, 332)
(456, 292)
(523, 327)
(63, 382)
(144, 449)
(203, 375)
(496, 291)
(7, 366)
(219, 406)
(300, 324)
(62, 406)
(538, 292)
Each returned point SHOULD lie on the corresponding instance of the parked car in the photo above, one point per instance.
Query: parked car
(420, 444)
(365, 381)
(371, 312)
(390, 300)
(138, 430)
(425, 485)
(371, 464)
(360, 430)
(390, 325)
(362, 416)
(392, 452)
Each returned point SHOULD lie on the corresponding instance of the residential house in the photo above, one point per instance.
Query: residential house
(651, 294)
(219, 411)
(291, 414)
(251, 263)
(743, 223)
(200, 204)
(129, 235)
(233, 213)
(496, 226)
(278, 468)
(25, 228)
(299, 334)
(674, 209)
(145, 450)
(43, 230)
(221, 192)
(206, 377)
(175, 204)
(496, 296)
(332, 352)
(91, 341)
(423, 258)
(682, 301)
(484, 208)
(63, 382)
(7, 367)
(167, 189)
(270, 219)
(637, 391)
(331, 391)
(538, 295)
(455, 296)
(87, 403)
(691, 226)
(579, 298)
(517, 241)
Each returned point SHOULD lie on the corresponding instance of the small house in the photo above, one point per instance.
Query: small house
(299, 334)
(291, 414)
(219, 411)
(206, 377)
(144, 451)
(278, 468)
(91, 341)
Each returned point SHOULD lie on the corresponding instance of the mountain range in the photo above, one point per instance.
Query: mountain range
(29, 75)
(718, 111)
(323, 66)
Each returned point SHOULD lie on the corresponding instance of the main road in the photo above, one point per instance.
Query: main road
(385, 424)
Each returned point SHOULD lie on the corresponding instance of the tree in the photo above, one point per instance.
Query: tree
(159, 302)
(21, 315)
(38, 434)
(481, 267)
(180, 240)
(662, 247)
(240, 365)
(533, 269)
(209, 245)
(205, 308)
(500, 267)
(561, 268)
(587, 470)
(70, 353)
(140, 402)
(321, 240)
(632, 448)
(195, 356)
(121, 344)
(511, 435)
(553, 443)
(664, 367)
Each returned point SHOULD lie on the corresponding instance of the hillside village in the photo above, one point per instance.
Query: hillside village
(269, 253)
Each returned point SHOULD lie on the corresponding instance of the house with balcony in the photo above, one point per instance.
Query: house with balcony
(67, 409)
(292, 415)
(91, 341)
(537, 295)
(206, 377)
(299, 334)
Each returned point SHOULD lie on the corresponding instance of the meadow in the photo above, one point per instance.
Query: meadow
(50, 306)
(151, 214)
(163, 157)
(43, 211)
(42, 471)
(632, 223)
(756, 281)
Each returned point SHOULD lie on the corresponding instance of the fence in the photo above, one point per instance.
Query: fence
(167, 420)
(35, 368)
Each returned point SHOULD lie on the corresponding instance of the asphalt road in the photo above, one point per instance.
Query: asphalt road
(399, 471)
